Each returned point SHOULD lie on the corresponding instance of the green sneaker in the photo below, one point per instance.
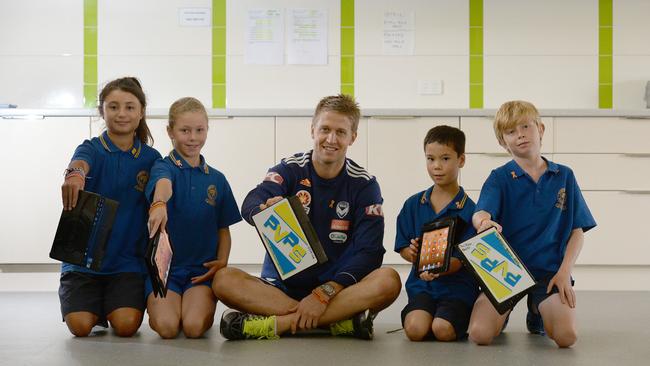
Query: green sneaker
(359, 326)
(237, 325)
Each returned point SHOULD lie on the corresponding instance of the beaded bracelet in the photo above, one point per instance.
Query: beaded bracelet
(74, 172)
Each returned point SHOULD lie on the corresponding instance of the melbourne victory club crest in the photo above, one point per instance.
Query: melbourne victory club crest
(141, 180)
(305, 199)
(342, 209)
(561, 199)
(212, 195)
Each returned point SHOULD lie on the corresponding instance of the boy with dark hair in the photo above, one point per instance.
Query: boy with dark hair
(439, 304)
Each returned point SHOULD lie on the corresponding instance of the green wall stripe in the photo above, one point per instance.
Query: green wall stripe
(219, 54)
(90, 54)
(605, 54)
(476, 54)
(347, 13)
(476, 13)
(347, 47)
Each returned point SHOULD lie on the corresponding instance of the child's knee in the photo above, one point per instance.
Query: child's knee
(415, 331)
(80, 329)
(80, 326)
(443, 331)
(565, 337)
(481, 335)
(166, 328)
(194, 328)
(124, 329)
(127, 324)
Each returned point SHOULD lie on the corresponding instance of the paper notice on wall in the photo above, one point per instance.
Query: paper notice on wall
(194, 17)
(264, 37)
(307, 37)
(399, 33)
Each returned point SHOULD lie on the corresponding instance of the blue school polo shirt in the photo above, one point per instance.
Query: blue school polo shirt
(537, 218)
(416, 212)
(201, 204)
(121, 176)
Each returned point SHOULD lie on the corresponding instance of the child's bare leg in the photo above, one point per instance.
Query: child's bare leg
(198, 306)
(417, 324)
(81, 323)
(125, 321)
(485, 322)
(559, 321)
(443, 330)
(165, 314)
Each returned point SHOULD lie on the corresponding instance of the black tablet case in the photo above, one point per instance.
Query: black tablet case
(158, 284)
(83, 232)
(454, 224)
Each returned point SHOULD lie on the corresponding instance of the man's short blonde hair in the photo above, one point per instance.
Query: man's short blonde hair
(511, 113)
(343, 104)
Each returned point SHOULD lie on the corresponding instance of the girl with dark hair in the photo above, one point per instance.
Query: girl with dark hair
(115, 165)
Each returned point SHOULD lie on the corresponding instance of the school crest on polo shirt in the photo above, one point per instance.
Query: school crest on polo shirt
(212, 195)
(561, 199)
(141, 180)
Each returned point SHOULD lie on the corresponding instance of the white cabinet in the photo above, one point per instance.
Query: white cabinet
(36, 152)
(621, 237)
(602, 135)
(609, 172)
(611, 160)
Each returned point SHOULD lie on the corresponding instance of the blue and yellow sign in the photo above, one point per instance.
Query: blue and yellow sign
(284, 239)
(498, 268)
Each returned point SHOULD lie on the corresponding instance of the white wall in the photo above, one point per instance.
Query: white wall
(543, 51)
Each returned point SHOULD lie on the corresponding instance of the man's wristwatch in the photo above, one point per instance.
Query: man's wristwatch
(328, 290)
(324, 293)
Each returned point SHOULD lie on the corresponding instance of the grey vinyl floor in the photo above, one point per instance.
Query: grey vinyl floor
(614, 329)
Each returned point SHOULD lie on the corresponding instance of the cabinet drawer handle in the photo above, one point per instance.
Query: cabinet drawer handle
(496, 155)
(393, 117)
(637, 117)
(637, 155)
(636, 191)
